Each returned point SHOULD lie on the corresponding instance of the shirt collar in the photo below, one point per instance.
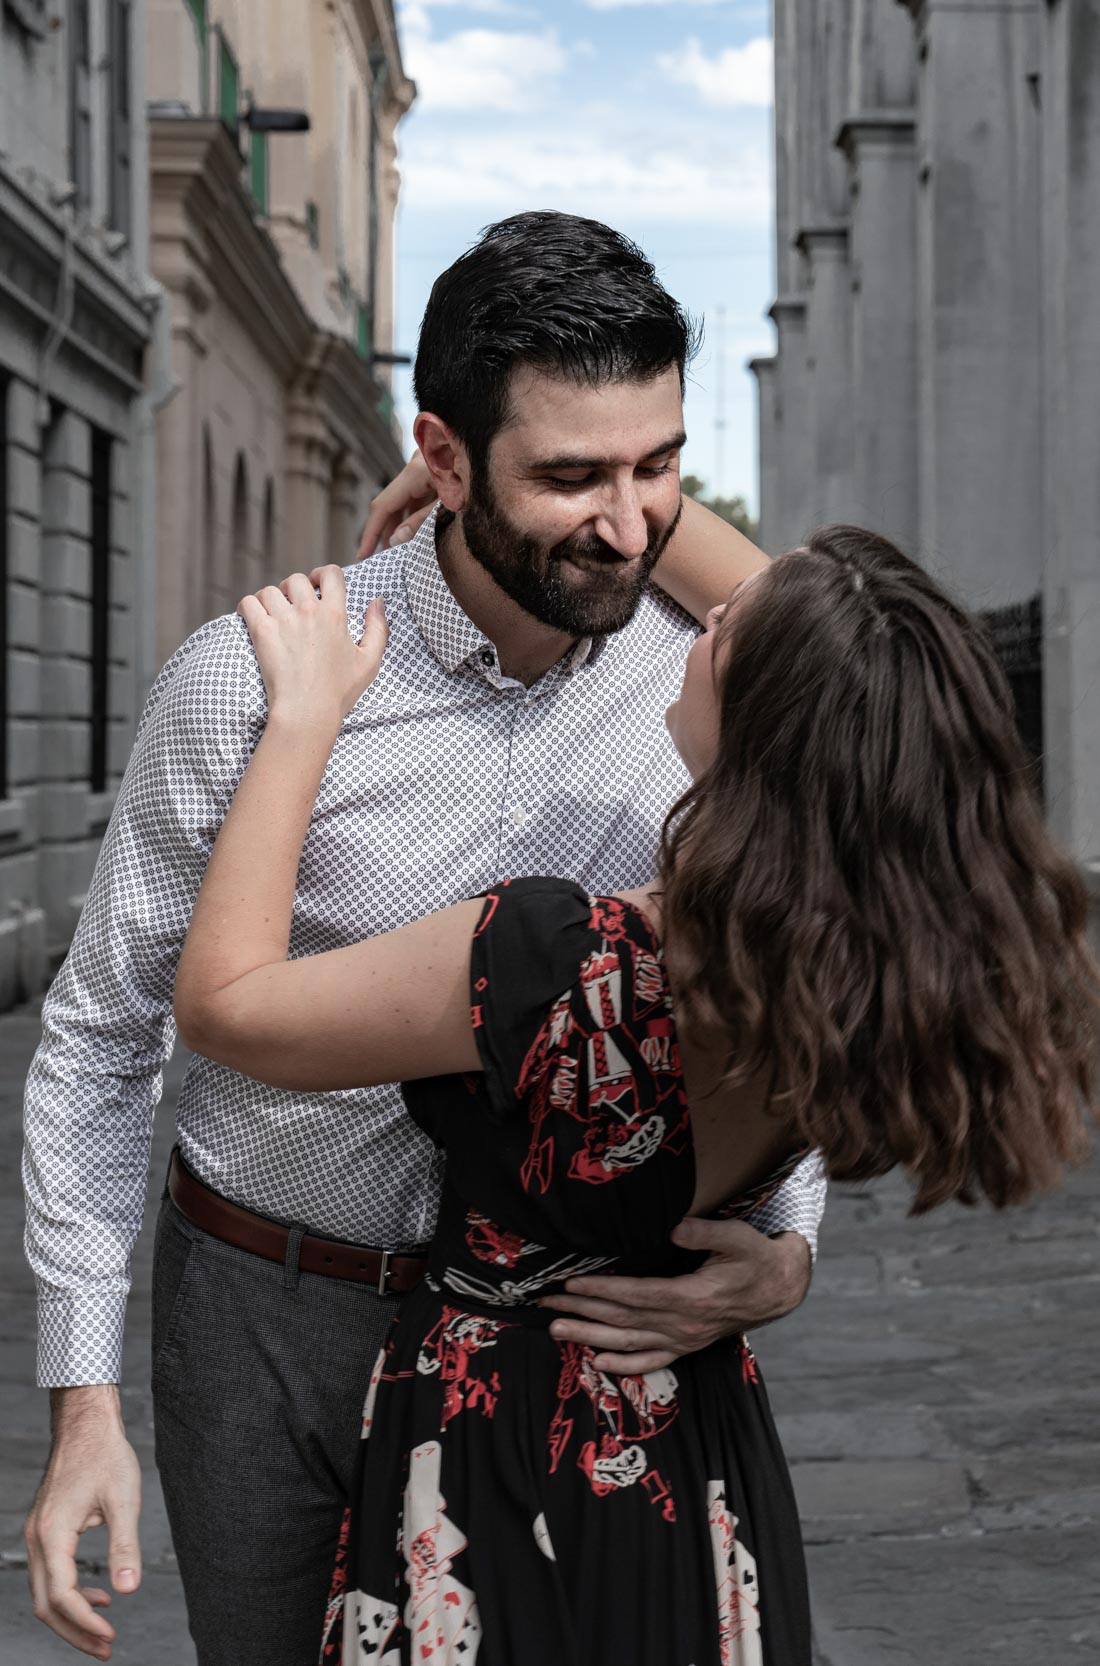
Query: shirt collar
(450, 633)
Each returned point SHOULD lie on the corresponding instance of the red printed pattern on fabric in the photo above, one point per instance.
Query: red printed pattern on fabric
(591, 1034)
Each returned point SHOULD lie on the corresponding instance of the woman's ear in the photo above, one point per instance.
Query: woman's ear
(446, 458)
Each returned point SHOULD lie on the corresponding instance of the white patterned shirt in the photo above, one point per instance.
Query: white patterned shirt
(446, 777)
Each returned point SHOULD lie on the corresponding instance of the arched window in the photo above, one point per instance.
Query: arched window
(241, 568)
(269, 556)
(209, 599)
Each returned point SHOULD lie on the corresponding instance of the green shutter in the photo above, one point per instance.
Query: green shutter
(259, 170)
(197, 8)
(229, 85)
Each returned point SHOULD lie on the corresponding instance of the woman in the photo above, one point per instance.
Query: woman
(859, 939)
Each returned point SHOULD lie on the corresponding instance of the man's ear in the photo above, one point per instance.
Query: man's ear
(447, 460)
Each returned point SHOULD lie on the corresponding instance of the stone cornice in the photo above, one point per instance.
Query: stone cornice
(205, 235)
(829, 238)
(763, 365)
(378, 23)
(877, 126)
(787, 306)
(111, 316)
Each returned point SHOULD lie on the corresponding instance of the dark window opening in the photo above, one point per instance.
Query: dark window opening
(121, 177)
(1017, 636)
(80, 101)
(101, 605)
(4, 783)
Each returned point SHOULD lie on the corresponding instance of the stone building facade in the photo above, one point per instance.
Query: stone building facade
(276, 251)
(195, 316)
(77, 313)
(937, 368)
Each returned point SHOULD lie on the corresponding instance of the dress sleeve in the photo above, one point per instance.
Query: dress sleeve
(529, 944)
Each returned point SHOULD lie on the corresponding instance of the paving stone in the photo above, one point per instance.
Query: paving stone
(937, 1394)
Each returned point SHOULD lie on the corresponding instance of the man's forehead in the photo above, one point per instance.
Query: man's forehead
(550, 415)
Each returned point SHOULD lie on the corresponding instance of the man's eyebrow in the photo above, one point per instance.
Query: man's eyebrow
(549, 464)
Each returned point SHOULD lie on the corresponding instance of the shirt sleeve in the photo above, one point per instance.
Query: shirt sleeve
(107, 1027)
(798, 1205)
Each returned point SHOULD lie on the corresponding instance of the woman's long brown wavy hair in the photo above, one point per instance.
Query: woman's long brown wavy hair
(861, 893)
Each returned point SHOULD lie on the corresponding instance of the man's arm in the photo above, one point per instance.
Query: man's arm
(755, 1273)
(90, 1096)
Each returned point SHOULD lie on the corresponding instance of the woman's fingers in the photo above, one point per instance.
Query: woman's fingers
(298, 589)
(376, 635)
(272, 600)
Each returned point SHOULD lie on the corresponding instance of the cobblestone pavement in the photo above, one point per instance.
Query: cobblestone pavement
(937, 1396)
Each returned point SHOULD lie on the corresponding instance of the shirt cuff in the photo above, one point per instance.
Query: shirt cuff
(80, 1338)
(797, 1206)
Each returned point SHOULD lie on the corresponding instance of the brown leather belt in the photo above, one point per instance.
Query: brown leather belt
(390, 1274)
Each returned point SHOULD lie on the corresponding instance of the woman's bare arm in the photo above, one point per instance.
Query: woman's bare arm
(395, 1007)
(705, 560)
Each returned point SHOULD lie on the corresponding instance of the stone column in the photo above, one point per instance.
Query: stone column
(829, 368)
(977, 289)
(310, 449)
(1071, 497)
(764, 369)
(345, 511)
(879, 145)
(791, 514)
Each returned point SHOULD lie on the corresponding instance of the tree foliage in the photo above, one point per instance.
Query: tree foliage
(731, 509)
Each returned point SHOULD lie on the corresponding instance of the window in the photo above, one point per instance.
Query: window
(197, 8)
(229, 84)
(80, 101)
(258, 170)
(101, 606)
(120, 179)
(4, 786)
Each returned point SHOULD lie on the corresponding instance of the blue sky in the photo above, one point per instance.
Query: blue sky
(653, 115)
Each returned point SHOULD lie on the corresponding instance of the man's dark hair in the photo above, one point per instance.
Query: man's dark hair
(560, 294)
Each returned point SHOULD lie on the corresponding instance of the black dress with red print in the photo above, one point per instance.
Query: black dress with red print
(513, 1505)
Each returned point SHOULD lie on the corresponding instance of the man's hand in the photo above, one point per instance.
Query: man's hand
(93, 1477)
(399, 508)
(641, 1324)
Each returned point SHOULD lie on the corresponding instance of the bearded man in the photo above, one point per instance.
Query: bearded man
(516, 729)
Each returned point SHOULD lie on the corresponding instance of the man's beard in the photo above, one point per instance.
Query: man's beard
(602, 599)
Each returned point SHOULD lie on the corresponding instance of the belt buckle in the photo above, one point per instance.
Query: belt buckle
(384, 1273)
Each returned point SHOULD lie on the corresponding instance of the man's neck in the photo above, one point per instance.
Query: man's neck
(526, 648)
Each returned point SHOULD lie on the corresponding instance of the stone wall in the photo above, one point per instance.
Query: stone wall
(937, 368)
(75, 317)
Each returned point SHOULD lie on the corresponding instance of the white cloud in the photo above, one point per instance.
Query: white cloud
(739, 75)
(483, 69)
(580, 173)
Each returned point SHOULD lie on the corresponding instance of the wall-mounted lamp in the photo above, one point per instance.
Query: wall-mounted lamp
(275, 121)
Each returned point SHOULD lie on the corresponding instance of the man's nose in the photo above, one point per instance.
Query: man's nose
(622, 524)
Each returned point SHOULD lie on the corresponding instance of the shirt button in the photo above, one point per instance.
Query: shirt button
(519, 816)
(486, 656)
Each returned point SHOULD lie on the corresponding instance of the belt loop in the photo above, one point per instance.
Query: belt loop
(293, 1250)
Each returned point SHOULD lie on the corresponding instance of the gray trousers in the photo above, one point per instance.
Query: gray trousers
(259, 1378)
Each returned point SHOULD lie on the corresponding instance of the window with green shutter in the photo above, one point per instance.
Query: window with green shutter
(229, 85)
(258, 161)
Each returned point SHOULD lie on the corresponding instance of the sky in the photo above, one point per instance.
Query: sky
(651, 115)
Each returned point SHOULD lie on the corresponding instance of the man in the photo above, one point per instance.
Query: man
(531, 666)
